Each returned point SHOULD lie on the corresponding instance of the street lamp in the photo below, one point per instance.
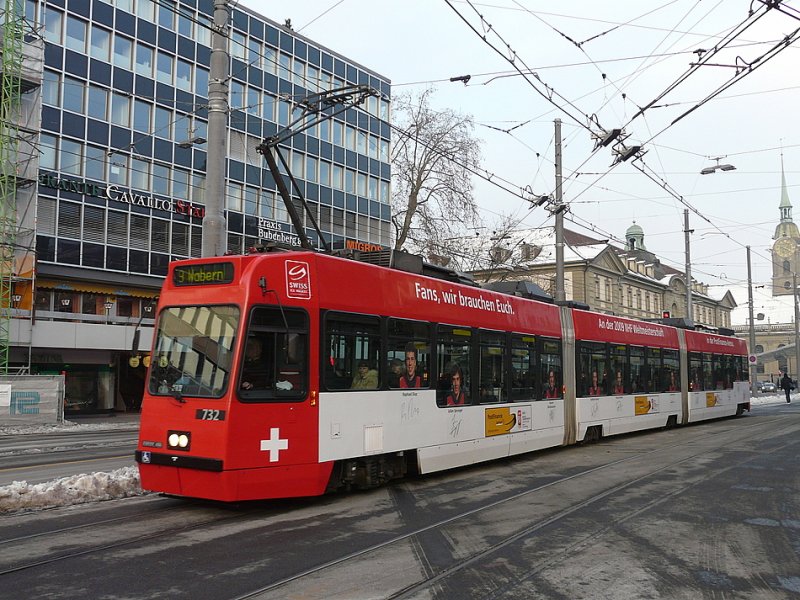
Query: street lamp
(717, 167)
(108, 306)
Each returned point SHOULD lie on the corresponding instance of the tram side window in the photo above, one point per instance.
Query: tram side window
(593, 369)
(408, 356)
(717, 378)
(550, 364)
(353, 345)
(275, 359)
(653, 372)
(738, 369)
(492, 366)
(730, 370)
(453, 363)
(638, 373)
(672, 371)
(523, 365)
(620, 376)
(708, 375)
(695, 371)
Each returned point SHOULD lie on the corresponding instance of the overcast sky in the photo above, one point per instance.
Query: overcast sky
(606, 59)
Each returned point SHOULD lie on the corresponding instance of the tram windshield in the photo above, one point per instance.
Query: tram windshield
(193, 351)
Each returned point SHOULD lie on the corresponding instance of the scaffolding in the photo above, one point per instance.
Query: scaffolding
(21, 68)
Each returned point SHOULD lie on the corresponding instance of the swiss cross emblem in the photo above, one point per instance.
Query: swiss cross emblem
(274, 444)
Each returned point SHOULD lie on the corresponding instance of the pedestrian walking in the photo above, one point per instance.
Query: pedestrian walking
(787, 385)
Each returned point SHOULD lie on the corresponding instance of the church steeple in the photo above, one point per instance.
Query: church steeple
(785, 206)
(786, 248)
(786, 226)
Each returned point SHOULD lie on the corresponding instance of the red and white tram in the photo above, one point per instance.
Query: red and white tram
(294, 373)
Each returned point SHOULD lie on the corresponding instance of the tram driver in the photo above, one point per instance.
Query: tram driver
(255, 372)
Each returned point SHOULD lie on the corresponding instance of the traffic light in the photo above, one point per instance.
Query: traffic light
(665, 314)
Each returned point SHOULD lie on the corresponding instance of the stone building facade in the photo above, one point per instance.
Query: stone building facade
(629, 281)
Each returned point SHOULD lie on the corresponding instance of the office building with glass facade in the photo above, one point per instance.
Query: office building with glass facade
(122, 166)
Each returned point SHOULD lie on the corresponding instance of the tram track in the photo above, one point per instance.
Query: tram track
(753, 431)
(589, 538)
(61, 545)
(54, 536)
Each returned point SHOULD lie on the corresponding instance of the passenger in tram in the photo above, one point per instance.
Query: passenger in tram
(411, 379)
(255, 372)
(395, 372)
(694, 385)
(365, 378)
(672, 386)
(551, 390)
(456, 396)
(619, 387)
(594, 388)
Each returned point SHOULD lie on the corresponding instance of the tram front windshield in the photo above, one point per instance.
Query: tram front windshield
(193, 351)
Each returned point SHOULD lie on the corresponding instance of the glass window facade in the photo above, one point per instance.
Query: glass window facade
(127, 108)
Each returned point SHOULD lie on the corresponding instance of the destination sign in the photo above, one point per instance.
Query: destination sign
(203, 274)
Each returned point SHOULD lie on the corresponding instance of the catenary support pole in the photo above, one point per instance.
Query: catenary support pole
(751, 366)
(214, 226)
(687, 231)
(560, 295)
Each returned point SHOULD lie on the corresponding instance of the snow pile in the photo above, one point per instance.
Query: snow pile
(66, 427)
(77, 489)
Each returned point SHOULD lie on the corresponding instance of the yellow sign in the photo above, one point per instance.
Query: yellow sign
(501, 420)
(163, 361)
(642, 405)
(133, 361)
(711, 399)
(146, 361)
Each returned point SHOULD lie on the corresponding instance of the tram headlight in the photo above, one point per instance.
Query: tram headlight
(178, 440)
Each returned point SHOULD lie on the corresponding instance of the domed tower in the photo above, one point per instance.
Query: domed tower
(785, 248)
(634, 238)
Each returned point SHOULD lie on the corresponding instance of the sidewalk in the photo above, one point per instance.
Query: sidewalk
(118, 418)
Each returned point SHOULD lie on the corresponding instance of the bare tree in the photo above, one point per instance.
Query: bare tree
(432, 158)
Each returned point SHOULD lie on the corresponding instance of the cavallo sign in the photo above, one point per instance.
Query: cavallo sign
(115, 193)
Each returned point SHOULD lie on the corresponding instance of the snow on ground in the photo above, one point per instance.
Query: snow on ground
(67, 426)
(77, 489)
(122, 483)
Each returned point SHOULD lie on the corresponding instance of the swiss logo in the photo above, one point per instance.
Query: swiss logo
(298, 281)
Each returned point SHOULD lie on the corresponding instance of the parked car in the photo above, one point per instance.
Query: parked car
(768, 386)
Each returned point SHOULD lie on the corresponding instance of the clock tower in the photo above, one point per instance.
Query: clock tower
(785, 250)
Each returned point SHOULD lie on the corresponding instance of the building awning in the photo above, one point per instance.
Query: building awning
(95, 288)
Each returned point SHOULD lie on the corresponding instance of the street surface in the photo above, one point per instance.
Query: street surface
(705, 511)
(37, 458)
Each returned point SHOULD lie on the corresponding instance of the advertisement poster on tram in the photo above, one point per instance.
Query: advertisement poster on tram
(507, 419)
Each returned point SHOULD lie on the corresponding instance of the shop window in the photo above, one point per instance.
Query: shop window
(43, 299)
(91, 304)
(125, 307)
